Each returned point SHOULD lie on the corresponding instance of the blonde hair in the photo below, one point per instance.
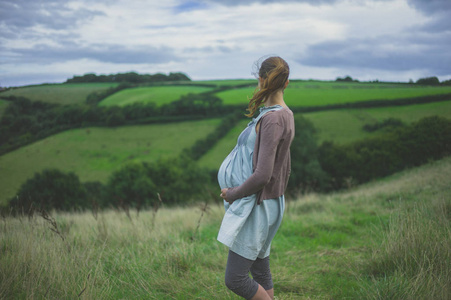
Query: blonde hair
(274, 72)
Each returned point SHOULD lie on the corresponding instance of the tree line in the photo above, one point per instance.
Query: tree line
(130, 77)
(433, 80)
(135, 185)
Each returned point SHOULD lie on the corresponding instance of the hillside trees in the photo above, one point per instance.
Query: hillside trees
(346, 79)
(428, 81)
(130, 187)
(136, 185)
(193, 104)
(51, 189)
(130, 77)
(178, 180)
(306, 173)
(25, 121)
(404, 147)
(433, 80)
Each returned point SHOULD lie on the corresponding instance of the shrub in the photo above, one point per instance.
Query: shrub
(409, 146)
(387, 123)
(131, 187)
(51, 189)
(177, 180)
(428, 81)
(306, 173)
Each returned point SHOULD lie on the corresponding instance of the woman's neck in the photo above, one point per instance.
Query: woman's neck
(275, 99)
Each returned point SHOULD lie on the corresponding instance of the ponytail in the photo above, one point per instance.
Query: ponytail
(274, 72)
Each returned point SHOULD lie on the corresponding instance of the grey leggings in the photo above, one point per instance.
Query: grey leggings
(237, 275)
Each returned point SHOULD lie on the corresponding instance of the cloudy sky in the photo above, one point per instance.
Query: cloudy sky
(389, 40)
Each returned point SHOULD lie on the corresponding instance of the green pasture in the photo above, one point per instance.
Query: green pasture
(74, 93)
(3, 105)
(388, 239)
(343, 126)
(214, 157)
(93, 153)
(157, 94)
(305, 93)
(339, 126)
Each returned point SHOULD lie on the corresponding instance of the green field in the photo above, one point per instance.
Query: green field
(158, 95)
(343, 126)
(324, 93)
(3, 105)
(339, 126)
(390, 239)
(93, 153)
(214, 157)
(298, 93)
(74, 93)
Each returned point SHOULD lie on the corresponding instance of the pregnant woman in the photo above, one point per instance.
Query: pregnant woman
(253, 179)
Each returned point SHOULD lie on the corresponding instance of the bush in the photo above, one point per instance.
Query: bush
(51, 189)
(387, 123)
(409, 146)
(115, 117)
(306, 173)
(177, 180)
(428, 81)
(131, 187)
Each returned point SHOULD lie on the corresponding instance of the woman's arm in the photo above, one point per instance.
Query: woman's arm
(270, 134)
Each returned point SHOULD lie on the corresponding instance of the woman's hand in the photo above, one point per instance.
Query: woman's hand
(223, 194)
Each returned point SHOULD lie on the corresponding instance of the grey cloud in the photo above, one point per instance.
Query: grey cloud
(439, 24)
(439, 10)
(427, 6)
(32, 78)
(374, 54)
(431, 6)
(211, 49)
(19, 15)
(241, 2)
(44, 54)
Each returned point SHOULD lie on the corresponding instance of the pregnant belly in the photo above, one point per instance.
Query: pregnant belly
(234, 170)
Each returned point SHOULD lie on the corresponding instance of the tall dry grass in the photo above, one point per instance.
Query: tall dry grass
(87, 257)
(414, 259)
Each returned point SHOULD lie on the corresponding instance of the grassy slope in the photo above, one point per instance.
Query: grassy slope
(59, 93)
(93, 153)
(213, 158)
(343, 126)
(159, 95)
(323, 93)
(340, 126)
(3, 105)
(327, 248)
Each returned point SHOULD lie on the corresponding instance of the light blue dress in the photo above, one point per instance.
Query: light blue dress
(247, 228)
